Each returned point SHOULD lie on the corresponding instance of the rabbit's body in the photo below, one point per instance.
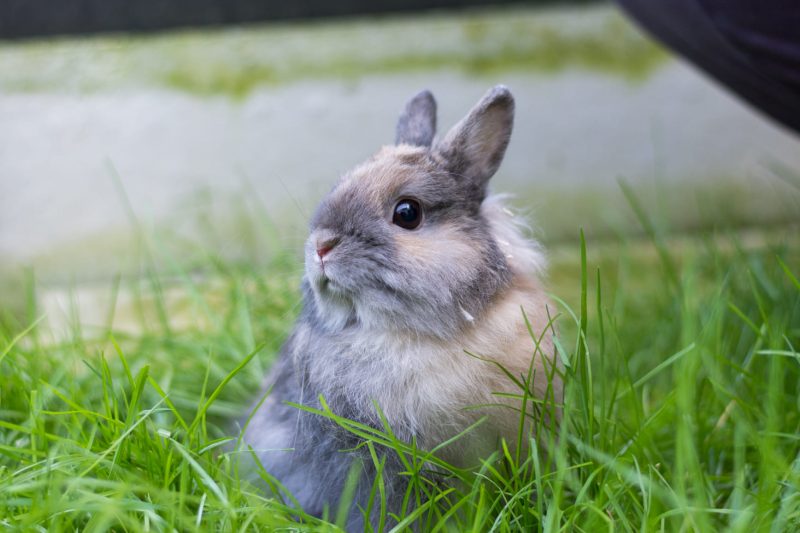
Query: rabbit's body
(389, 311)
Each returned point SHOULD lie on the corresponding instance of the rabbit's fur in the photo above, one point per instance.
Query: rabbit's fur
(389, 312)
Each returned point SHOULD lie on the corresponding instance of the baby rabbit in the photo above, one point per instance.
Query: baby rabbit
(409, 263)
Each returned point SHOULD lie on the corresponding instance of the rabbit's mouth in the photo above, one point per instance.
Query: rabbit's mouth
(324, 275)
(334, 302)
(329, 287)
(325, 283)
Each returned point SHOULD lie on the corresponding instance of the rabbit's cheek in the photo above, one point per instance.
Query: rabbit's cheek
(445, 251)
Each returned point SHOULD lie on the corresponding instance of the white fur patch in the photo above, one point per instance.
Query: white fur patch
(525, 256)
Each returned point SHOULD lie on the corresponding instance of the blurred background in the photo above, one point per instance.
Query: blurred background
(208, 130)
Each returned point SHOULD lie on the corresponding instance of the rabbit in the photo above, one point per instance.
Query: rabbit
(409, 263)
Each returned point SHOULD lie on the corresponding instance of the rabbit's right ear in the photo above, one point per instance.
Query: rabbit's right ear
(417, 123)
(475, 147)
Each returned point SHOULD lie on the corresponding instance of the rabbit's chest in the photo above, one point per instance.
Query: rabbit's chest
(420, 388)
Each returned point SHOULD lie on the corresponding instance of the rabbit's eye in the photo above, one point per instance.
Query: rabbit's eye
(407, 213)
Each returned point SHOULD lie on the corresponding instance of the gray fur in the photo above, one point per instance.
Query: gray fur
(379, 300)
(474, 148)
(417, 123)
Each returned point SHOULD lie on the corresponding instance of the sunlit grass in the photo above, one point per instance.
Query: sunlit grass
(681, 408)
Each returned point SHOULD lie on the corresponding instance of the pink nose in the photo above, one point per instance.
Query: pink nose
(325, 246)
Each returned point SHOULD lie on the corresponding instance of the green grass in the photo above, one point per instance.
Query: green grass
(680, 414)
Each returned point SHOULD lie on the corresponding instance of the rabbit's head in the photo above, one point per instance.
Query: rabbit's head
(402, 242)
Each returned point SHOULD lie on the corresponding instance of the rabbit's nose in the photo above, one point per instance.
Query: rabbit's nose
(325, 244)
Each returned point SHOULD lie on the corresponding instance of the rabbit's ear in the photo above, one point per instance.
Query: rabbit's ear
(475, 147)
(417, 123)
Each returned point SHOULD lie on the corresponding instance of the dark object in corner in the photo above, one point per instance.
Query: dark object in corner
(750, 46)
(35, 18)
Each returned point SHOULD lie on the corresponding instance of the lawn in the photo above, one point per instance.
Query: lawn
(681, 410)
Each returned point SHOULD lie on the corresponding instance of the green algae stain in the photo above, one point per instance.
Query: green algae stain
(613, 48)
(235, 81)
(235, 61)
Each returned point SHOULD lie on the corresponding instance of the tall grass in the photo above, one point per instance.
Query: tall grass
(681, 408)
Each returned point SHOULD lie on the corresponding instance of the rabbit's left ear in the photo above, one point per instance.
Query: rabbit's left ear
(417, 123)
(475, 147)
